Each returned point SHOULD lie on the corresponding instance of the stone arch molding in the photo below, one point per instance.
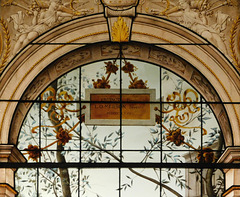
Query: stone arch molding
(35, 67)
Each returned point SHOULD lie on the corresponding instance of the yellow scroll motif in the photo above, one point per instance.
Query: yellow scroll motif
(184, 111)
(56, 110)
(176, 97)
(120, 31)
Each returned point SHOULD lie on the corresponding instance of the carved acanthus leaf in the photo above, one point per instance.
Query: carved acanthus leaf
(120, 31)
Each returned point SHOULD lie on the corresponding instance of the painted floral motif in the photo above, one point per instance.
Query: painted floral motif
(206, 155)
(63, 136)
(33, 152)
(176, 137)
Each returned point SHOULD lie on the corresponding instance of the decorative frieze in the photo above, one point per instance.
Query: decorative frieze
(72, 60)
(112, 49)
(167, 59)
(199, 81)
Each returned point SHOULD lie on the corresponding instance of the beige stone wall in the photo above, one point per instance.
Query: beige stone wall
(217, 21)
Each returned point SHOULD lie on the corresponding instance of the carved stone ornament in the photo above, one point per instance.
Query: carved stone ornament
(120, 15)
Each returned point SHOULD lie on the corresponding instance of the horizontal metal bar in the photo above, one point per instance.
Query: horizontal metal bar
(122, 165)
(116, 102)
(60, 43)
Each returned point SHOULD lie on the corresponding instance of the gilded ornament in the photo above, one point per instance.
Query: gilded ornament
(7, 44)
(1, 43)
(120, 31)
(235, 43)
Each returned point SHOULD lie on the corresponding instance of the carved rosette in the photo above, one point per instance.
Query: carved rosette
(120, 15)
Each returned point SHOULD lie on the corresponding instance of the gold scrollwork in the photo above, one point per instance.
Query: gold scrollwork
(179, 103)
(56, 110)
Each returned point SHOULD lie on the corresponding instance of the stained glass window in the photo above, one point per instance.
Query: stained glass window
(116, 128)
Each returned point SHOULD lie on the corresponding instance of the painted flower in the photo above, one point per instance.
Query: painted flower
(205, 156)
(34, 152)
(82, 118)
(128, 68)
(101, 83)
(176, 137)
(137, 84)
(110, 67)
(63, 136)
(157, 119)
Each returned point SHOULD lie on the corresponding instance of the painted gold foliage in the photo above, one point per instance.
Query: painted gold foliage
(120, 31)
(7, 44)
(233, 42)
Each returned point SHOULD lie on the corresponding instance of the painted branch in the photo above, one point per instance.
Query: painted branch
(209, 185)
(64, 175)
(133, 171)
(156, 182)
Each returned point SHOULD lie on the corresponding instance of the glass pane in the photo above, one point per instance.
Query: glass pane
(65, 88)
(26, 180)
(99, 182)
(175, 88)
(157, 119)
(140, 182)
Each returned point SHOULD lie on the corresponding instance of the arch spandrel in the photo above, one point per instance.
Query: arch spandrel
(30, 71)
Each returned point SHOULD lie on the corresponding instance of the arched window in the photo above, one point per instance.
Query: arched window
(120, 127)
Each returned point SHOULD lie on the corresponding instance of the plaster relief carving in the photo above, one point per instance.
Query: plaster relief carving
(29, 19)
(167, 59)
(73, 60)
(204, 87)
(4, 44)
(114, 50)
(206, 17)
(34, 88)
(119, 15)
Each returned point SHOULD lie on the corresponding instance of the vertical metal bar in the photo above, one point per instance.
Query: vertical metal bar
(40, 120)
(201, 144)
(120, 53)
(80, 129)
(161, 135)
(80, 106)
(119, 182)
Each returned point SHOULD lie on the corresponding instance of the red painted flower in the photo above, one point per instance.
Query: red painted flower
(101, 83)
(137, 84)
(128, 68)
(34, 152)
(205, 156)
(157, 119)
(176, 137)
(110, 67)
(63, 136)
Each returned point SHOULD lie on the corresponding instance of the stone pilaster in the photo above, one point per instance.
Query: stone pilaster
(8, 153)
(232, 176)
